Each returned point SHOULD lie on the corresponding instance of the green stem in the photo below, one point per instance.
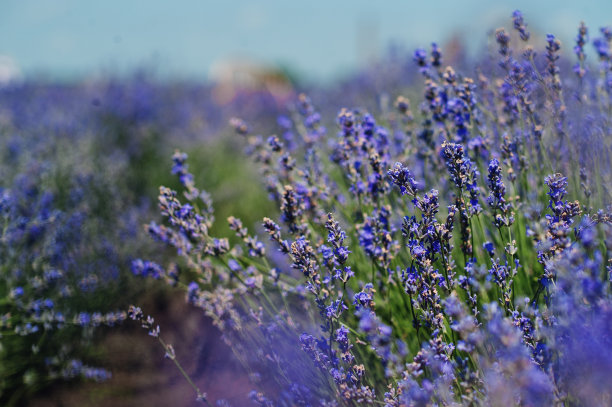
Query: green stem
(200, 396)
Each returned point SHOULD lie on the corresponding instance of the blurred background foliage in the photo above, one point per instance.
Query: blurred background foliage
(95, 156)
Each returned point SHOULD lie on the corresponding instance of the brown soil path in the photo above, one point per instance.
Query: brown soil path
(141, 374)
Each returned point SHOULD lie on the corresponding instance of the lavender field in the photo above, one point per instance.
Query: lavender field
(432, 229)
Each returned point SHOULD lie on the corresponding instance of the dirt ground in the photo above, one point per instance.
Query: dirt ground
(141, 374)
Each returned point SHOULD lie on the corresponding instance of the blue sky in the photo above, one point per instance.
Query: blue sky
(320, 39)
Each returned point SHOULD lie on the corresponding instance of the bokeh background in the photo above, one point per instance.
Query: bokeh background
(198, 39)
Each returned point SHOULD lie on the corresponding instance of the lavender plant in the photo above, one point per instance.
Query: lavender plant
(427, 258)
(47, 311)
(77, 163)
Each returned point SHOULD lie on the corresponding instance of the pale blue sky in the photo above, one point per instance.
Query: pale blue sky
(321, 39)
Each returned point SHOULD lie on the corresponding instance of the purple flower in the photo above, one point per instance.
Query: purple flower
(519, 25)
(403, 178)
(436, 55)
(420, 57)
(17, 292)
